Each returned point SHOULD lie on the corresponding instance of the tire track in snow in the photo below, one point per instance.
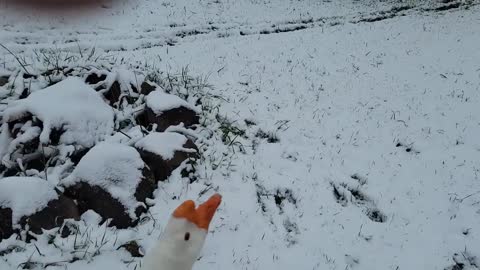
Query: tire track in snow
(170, 35)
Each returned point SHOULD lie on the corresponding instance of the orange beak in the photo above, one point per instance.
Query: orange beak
(203, 215)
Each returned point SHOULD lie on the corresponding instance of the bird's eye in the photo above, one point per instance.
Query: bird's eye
(187, 236)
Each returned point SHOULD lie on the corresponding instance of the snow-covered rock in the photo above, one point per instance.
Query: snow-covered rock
(160, 102)
(166, 110)
(163, 152)
(34, 202)
(112, 180)
(25, 195)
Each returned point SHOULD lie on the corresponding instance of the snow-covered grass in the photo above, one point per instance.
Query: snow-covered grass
(350, 145)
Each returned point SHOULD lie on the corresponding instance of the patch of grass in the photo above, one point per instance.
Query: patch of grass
(181, 84)
(282, 195)
(261, 192)
(361, 180)
(10, 249)
(230, 131)
(339, 195)
(376, 216)
(270, 136)
(250, 122)
(464, 260)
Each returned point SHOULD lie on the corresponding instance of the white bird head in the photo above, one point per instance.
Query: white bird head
(183, 237)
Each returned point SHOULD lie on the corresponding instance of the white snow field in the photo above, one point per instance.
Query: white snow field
(342, 137)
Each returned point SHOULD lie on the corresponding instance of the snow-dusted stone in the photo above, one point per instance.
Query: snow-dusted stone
(163, 152)
(112, 180)
(166, 110)
(71, 108)
(34, 203)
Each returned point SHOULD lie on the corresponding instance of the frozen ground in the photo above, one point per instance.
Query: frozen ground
(361, 146)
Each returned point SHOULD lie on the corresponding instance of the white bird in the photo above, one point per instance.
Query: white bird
(182, 240)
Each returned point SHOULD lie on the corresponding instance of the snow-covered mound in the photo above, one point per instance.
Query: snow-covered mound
(164, 152)
(160, 102)
(25, 195)
(70, 106)
(31, 204)
(115, 168)
(165, 110)
(164, 144)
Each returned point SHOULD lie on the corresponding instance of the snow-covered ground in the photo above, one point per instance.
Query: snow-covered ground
(361, 138)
